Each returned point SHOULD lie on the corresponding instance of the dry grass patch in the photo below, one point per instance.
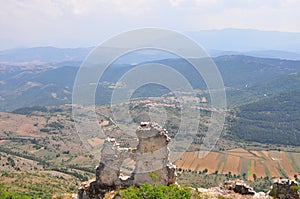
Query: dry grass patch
(94, 142)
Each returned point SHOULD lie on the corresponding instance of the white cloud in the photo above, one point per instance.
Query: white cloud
(66, 22)
(244, 4)
(206, 2)
(265, 16)
(107, 7)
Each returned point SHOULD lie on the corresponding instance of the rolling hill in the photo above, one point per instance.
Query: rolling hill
(272, 120)
(52, 84)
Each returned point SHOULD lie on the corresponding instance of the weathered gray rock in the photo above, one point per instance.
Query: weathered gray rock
(151, 158)
(112, 157)
(235, 189)
(285, 189)
(239, 187)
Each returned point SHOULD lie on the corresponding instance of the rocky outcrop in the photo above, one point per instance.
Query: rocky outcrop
(285, 189)
(151, 159)
(235, 189)
(239, 187)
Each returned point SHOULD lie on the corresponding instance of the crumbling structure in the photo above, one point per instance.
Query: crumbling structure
(151, 158)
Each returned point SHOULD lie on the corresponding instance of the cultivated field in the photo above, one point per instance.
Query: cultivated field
(239, 162)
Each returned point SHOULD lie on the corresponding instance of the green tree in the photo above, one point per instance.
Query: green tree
(244, 175)
(254, 176)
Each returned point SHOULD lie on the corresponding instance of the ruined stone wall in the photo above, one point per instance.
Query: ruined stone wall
(112, 157)
(151, 163)
(152, 156)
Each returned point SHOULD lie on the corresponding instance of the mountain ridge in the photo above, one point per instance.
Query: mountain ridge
(53, 83)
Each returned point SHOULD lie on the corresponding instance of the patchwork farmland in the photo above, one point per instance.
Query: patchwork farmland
(239, 162)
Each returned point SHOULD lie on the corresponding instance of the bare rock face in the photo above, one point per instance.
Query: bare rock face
(285, 189)
(235, 189)
(151, 158)
(239, 187)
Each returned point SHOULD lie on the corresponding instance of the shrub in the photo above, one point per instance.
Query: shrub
(147, 191)
(7, 194)
(274, 192)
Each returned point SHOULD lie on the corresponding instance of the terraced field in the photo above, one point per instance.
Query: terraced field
(239, 162)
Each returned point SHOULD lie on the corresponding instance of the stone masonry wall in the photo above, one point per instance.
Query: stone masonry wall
(151, 163)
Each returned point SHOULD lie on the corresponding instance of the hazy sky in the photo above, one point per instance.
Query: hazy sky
(73, 23)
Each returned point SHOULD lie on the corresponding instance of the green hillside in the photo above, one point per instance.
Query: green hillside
(262, 90)
(273, 120)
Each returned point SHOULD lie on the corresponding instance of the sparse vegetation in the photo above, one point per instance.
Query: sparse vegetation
(8, 194)
(35, 185)
(214, 180)
(147, 191)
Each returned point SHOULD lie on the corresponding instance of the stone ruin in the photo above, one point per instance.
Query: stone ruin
(151, 157)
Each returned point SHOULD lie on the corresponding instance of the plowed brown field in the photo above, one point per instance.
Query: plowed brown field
(239, 161)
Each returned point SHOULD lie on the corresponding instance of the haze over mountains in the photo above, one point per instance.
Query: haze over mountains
(217, 42)
(247, 40)
(44, 76)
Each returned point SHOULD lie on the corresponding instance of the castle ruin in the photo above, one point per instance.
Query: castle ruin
(151, 158)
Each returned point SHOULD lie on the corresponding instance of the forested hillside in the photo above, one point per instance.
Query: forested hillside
(273, 120)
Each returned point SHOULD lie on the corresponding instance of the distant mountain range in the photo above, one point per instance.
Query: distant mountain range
(265, 44)
(44, 54)
(243, 40)
(277, 54)
(65, 55)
